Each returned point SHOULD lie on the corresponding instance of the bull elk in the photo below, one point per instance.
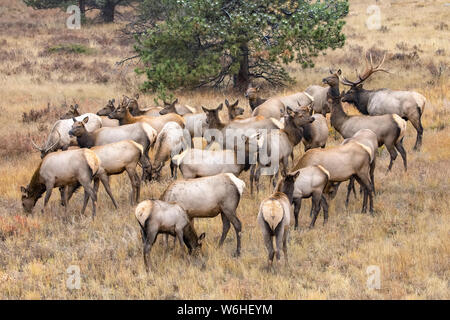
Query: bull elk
(409, 105)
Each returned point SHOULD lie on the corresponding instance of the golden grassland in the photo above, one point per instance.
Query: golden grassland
(408, 238)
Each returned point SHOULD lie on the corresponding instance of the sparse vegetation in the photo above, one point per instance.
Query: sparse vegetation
(407, 238)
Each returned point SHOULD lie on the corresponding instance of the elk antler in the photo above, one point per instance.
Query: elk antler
(370, 69)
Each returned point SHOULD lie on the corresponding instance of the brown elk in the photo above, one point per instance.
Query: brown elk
(254, 100)
(409, 105)
(122, 113)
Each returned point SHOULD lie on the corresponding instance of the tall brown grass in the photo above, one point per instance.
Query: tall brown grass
(408, 238)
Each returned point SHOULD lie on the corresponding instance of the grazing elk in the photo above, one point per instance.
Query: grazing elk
(254, 100)
(177, 108)
(141, 133)
(409, 105)
(59, 135)
(274, 218)
(195, 196)
(169, 143)
(279, 145)
(389, 128)
(122, 113)
(61, 169)
(194, 163)
(156, 216)
(342, 162)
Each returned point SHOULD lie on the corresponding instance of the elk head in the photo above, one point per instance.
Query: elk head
(28, 200)
(286, 184)
(212, 115)
(107, 109)
(169, 107)
(299, 117)
(120, 112)
(252, 93)
(356, 87)
(233, 109)
(78, 127)
(73, 112)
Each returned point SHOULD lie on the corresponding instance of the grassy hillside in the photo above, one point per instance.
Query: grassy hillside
(42, 62)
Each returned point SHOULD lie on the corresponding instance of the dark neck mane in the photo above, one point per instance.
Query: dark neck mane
(86, 140)
(36, 188)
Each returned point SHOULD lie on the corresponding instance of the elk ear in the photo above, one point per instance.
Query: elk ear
(75, 107)
(113, 100)
(202, 236)
(339, 72)
(227, 103)
(74, 120)
(23, 190)
(85, 120)
(204, 109)
(136, 96)
(236, 103)
(220, 107)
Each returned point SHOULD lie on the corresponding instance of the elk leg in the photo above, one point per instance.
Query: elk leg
(135, 184)
(225, 228)
(417, 124)
(65, 196)
(88, 190)
(252, 176)
(279, 240)
(104, 178)
(364, 180)
(285, 237)
(393, 155)
(49, 189)
(297, 207)
(85, 202)
(151, 237)
(324, 205)
(257, 175)
(316, 198)
(372, 175)
(237, 227)
(401, 150)
(269, 245)
(350, 187)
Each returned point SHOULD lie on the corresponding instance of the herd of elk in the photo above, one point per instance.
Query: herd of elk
(119, 138)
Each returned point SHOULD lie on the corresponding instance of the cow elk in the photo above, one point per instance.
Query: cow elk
(196, 198)
(61, 169)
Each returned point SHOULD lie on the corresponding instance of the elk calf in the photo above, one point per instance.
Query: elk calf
(156, 216)
(274, 218)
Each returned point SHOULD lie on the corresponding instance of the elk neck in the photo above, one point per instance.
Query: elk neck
(86, 140)
(294, 133)
(338, 115)
(36, 188)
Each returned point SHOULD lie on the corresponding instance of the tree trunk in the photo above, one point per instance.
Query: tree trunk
(242, 79)
(108, 11)
(82, 6)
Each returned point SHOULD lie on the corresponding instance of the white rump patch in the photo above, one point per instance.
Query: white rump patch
(138, 145)
(179, 157)
(324, 170)
(191, 109)
(92, 160)
(401, 124)
(277, 123)
(367, 149)
(309, 96)
(272, 212)
(240, 185)
(142, 211)
(150, 131)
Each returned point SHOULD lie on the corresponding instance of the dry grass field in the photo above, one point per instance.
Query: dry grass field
(408, 237)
